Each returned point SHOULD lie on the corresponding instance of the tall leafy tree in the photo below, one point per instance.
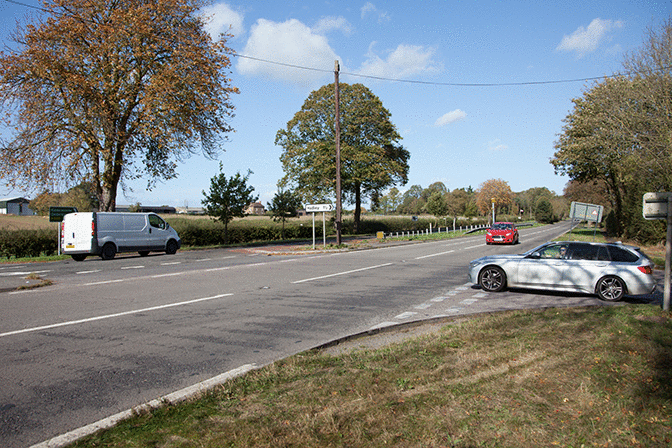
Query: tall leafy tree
(104, 90)
(372, 158)
(436, 204)
(285, 204)
(228, 198)
(619, 134)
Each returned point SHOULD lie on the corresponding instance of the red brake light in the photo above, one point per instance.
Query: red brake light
(646, 269)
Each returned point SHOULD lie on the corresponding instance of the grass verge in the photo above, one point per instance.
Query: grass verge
(557, 377)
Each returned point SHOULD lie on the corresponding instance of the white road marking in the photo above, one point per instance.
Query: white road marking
(171, 263)
(434, 255)
(422, 306)
(88, 272)
(405, 315)
(132, 267)
(9, 274)
(109, 316)
(341, 273)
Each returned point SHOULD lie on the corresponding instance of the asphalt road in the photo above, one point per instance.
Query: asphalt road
(108, 336)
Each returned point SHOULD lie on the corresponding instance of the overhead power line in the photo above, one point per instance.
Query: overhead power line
(407, 81)
(433, 83)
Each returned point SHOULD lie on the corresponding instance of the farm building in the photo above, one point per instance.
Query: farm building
(255, 208)
(15, 206)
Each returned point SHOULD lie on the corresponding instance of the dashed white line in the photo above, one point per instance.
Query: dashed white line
(422, 306)
(132, 267)
(88, 272)
(406, 315)
(434, 255)
(9, 274)
(341, 273)
(108, 316)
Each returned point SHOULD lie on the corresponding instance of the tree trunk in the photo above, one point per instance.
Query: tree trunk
(107, 199)
(358, 208)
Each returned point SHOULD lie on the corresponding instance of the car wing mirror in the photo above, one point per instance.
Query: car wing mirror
(535, 255)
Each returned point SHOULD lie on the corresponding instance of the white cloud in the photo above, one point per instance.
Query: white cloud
(220, 18)
(327, 24)
(370, 9)
(450, 117)
(587, 40)
(405, 61)
(291, 43)
(496, 145)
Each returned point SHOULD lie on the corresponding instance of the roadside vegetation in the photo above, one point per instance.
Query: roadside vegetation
(556, 377)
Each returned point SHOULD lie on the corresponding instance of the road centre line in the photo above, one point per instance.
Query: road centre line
(109, 316)
(105, 282)
(341, 273)
(88, 272)
(434, 255)
(132, 267)
(9, 274)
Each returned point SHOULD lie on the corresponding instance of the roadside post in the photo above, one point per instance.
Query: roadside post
(313, 208)
(659, 206)
(56, 214)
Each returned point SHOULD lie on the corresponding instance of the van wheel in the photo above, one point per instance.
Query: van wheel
(108, 252)
(171, 247)
(143, 253)
(78, 257)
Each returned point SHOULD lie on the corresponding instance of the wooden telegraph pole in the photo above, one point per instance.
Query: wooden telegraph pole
(338, 157)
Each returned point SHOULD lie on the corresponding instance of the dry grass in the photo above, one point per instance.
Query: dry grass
(12, 222)
(570, 377)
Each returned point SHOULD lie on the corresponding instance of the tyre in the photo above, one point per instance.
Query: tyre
(143, 253)
(109, 251)
(492, 279)
(610, 289)
(78, 257)
(171, 247)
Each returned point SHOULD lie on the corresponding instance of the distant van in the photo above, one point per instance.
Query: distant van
(108, 233)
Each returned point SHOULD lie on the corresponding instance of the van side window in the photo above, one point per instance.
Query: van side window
(157, 222)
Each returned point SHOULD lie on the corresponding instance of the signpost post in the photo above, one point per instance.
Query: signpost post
(659, 206)
(56, 214)
(320, 208)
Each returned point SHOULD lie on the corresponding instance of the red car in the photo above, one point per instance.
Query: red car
(502, 232)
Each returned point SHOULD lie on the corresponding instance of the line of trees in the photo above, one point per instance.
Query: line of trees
(536, 203)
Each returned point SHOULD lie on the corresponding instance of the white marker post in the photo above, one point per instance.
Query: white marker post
(313, 208)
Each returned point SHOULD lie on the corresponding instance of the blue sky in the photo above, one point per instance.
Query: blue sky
(477, 89)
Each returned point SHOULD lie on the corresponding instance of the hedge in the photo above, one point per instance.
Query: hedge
(205, 232)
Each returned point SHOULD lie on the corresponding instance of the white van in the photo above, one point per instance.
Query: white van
(107, 233)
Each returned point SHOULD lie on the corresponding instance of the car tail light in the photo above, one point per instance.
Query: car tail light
(646, 269)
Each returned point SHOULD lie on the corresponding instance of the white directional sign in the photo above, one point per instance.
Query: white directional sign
(320, 208)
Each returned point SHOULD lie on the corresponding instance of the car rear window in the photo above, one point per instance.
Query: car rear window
(622, 255)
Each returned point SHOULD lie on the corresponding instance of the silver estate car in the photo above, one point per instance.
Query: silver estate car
(610, 270)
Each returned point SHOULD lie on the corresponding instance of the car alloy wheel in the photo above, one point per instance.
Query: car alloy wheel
(492, 279)
(611, 289)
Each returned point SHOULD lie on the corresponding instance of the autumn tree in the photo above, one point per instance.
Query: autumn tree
(106, 91)
(496, 190)
(228, 198)
(80, 196)
(371, 157)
